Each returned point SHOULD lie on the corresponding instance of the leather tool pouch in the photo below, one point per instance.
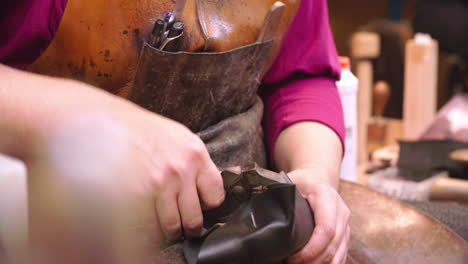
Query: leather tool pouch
(212, 93)
(264, 219)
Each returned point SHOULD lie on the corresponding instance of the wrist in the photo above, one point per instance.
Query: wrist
(317, 174)
(310, 147)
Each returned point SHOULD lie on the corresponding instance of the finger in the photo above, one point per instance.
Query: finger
(210, 185)
(329, 255)
(340, 235)
(342, 252)
(147, 224)
(325, 222)
(168, 214)
(190, 211)
(324, 231)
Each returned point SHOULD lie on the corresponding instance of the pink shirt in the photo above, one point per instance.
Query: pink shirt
(300, 85)
(27, 28)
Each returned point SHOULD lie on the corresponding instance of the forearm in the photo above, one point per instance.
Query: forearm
(19, 112)
(32, 105)
(310, 145)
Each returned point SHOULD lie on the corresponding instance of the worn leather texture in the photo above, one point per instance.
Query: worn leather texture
(226, 112)
(237, 140)
(453, 215)
(99, 42)
(385, 230)
(251, 226)
(199, 89)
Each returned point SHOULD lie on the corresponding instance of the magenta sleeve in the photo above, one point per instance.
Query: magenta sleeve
(28, 28)
(300, 85)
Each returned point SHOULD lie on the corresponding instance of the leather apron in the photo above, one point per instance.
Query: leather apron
(383, 230)
(212, 93)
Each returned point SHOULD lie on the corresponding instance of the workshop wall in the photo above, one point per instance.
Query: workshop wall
(347, 16)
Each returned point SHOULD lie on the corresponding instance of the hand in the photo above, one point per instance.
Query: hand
(329, 241)
(73, 130)
(180, 174)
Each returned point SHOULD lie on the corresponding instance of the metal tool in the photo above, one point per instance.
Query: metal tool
(171, 43)
(168, 30)
(156, 33)
(169, 19)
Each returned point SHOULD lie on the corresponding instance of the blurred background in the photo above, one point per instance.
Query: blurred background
(346, 17)
(409, 136)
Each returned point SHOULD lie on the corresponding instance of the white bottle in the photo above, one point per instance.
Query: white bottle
(347, 88)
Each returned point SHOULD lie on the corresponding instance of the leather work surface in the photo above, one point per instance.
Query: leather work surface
(450, 214)
(385, 230)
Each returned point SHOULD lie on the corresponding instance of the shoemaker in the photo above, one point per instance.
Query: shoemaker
(70, 66)
(303, 119)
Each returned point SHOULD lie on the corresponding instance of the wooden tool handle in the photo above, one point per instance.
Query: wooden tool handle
(420, 90)
(460, 156)
(450, 189)
(364, 46)
(380, 96)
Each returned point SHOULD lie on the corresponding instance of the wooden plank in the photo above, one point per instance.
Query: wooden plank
(364, 47)
(420, 90)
